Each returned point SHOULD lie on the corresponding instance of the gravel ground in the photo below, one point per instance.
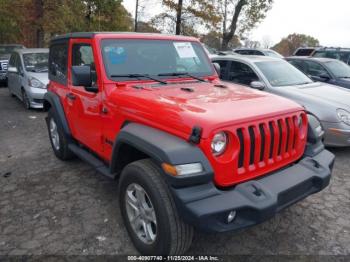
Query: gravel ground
(49, 207)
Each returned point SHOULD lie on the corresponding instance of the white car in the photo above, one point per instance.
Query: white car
(28, 76)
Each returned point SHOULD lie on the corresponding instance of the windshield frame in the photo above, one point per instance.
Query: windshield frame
(127, 79)
(288, 64)
(35, 53)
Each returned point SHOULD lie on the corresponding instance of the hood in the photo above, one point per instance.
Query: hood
(336, 95)
(5, 57)
(42, 77)
(185, 105)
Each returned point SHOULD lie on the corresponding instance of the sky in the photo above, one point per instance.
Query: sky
(328, 21)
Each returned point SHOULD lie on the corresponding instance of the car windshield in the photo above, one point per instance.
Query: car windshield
(273, 54)
(123, 57)
(281, 73)
(339, 69)
(36, 62)
(8, 49)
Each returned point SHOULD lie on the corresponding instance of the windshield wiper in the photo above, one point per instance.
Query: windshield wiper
(141, 75)
(183, 74)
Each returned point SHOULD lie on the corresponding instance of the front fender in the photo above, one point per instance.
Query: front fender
(163, 148)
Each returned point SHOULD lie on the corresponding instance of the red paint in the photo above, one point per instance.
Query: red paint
(174, 111)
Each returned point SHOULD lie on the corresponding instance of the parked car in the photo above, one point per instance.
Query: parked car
(342, 54)
(326, 70)
(257, 52)
(305, 51)
(28, 76)
(5, 53)
(328, 103)
(188, 150)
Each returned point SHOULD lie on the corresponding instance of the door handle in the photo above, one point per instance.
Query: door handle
(71, 96)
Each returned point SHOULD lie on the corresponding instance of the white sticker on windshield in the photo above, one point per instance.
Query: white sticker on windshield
(185, 50)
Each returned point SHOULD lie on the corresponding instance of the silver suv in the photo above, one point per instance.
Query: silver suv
(28, 76)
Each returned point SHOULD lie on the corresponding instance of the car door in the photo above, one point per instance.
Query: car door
(84, 107)
(13, 77)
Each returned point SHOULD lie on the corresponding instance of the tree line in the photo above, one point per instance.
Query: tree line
(227, 23)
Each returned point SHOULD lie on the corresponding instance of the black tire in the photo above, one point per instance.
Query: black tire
(62, 151)
(25, 100)
(173, 236)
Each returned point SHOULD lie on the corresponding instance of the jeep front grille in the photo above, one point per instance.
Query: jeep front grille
(267, 143)
(3, 66)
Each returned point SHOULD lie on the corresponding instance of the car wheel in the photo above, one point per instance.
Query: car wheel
(149, 211)
(59, 141)
(25, 100)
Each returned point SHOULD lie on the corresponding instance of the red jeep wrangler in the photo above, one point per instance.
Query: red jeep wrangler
(188, 150)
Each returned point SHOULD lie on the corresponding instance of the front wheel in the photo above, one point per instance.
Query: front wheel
(58, 139)
(149, 211)
(25, 100)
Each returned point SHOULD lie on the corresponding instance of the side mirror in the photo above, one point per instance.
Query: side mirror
(12, 69)
(217, 68)
(257, 85)
(82, 76)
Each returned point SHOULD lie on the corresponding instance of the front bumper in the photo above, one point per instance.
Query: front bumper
(336, 134)
(36, 97)
(206, 207)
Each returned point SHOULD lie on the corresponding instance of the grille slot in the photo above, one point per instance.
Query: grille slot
(267, 143)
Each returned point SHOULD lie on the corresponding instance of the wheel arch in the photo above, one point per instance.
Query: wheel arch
(52, 101)
(140, 141)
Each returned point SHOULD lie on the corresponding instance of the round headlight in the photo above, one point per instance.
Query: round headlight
(219, 143)
(344, 116)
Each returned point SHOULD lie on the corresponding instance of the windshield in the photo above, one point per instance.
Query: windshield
(281, 73)
(154, 57)
(8, 49)
(339, 69)
(273, 54)
(36, 62)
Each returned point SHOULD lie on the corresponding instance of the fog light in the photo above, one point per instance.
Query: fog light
(231, 216)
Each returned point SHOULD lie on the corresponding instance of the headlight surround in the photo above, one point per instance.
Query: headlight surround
(35, 83)
(219, 143)
(344, 116)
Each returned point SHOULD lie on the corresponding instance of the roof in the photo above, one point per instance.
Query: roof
(310, 58)
(32, 50)
(248, 48)
(248, 58)
(90, 35)
(18, 45)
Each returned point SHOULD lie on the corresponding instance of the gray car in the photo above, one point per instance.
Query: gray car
(329, 103)
(326, 70)
(28, 76)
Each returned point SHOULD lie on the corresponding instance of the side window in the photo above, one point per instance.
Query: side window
(82, 54)
(315, 69)
(19, 64)
(256, 52)
(223, 67)
(58, 63)
(299, 64)
(241, 73)
(320, 54)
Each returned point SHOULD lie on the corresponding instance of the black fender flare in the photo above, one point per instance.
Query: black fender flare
(163, 147)
(55, 102)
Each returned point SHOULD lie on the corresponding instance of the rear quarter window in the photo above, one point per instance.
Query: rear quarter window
(58, 63)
